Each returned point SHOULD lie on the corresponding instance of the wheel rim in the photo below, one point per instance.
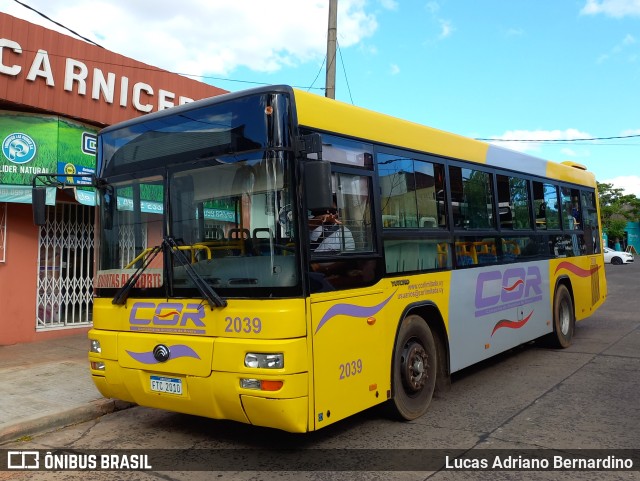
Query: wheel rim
(564, 318)
(414, 367)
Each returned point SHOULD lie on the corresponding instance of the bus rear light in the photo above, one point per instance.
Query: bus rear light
(261, 385)
(97, 366)
(264, 361)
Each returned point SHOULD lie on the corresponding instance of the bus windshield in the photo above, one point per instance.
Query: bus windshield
(228, 214)
(240, 125)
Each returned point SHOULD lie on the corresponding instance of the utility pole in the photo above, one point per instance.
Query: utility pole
(330, 84)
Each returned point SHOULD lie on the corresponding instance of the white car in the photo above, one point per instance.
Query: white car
(617, 257)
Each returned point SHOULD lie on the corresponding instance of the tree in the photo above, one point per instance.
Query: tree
(616, 209)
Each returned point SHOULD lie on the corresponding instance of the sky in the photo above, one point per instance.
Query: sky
(536, 76)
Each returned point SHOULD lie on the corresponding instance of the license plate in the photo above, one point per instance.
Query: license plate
(169, 385)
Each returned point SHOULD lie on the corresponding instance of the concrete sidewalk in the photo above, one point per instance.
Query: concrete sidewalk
(46, 385)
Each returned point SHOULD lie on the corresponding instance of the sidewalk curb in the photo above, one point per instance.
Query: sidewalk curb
(51, 422)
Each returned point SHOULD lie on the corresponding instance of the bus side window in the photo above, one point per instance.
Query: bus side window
(590, 222)
(472, 198)
(466, 254)
(545, 204)
(513, 202)
(571, 212)
(412, 192)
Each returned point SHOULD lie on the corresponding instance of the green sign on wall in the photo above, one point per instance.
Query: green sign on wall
(41, 144)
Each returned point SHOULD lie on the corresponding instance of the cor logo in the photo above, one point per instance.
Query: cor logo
(18, 148)
(497, 290)
(166, 314)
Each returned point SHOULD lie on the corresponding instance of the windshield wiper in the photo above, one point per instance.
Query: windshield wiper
(123, 293)
(205, 289)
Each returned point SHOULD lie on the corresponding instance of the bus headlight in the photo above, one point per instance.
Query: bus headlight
(264, 361)
(95, 346)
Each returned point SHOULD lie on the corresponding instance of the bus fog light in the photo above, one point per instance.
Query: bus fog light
(264, 361)
(261, 385)
(97, 366)
(95, 346)
(250, 383)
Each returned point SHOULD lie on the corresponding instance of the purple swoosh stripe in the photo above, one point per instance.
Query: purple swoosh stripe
(177, 351)
(352, 310)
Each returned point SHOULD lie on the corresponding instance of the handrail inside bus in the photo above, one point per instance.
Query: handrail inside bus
(169, 242)
(193, 248)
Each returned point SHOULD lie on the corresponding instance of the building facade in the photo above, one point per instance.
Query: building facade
(56, 93)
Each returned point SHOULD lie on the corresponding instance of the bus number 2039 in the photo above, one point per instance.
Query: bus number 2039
(246, 325)
(350, 369)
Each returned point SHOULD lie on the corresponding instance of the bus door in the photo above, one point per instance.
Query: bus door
(351, 362)
(350, 356)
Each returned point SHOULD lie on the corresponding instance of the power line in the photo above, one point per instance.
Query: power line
(209, 77)
(345, 71)
(562, 140)
(57, 23)
(158, 69)
(204, 77)
(318, 74)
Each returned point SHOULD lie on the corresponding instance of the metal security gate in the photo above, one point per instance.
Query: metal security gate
(65, 267)
(127, 238)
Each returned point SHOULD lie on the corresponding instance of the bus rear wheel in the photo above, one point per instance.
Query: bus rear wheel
(414, 369)
(564, 318)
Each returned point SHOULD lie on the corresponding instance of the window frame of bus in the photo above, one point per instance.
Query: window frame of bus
(410, 240)
(334, 263)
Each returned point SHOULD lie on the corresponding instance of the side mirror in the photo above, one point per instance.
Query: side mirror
(39, 204)
(317, 184)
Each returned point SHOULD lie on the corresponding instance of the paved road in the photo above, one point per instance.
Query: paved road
(584, 397)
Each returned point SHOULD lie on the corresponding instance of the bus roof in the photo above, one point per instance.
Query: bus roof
(330, 115)
(317, 112)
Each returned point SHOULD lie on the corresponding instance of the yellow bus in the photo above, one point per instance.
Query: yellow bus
(277, 258)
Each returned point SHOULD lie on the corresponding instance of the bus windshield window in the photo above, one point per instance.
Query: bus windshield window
(239, 125)
(134, 228)
(225, 168)
(235, 223)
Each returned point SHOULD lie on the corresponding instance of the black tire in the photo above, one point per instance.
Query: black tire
(616, 261)
(414, 369)
(564, 318)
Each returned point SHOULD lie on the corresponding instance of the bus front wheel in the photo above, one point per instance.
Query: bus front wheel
(414, 369)
(564, 318)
